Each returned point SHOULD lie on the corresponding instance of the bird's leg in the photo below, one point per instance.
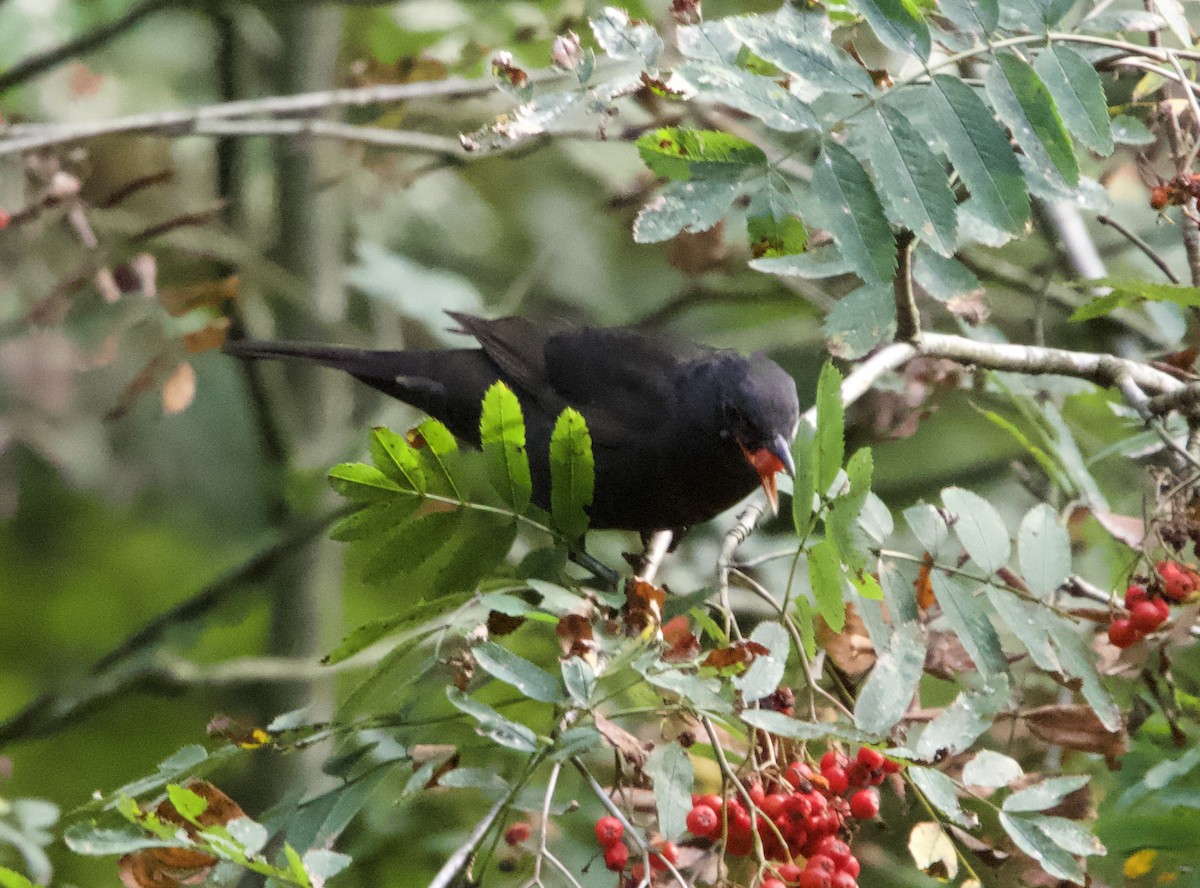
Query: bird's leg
(655, 546)
(600, 571)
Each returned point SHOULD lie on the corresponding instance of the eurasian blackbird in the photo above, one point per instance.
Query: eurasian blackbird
(680, 431)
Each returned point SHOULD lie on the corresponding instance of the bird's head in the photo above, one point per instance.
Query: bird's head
(761, 412)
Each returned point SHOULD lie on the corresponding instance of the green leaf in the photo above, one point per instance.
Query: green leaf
(764, 674)
(1129, 292)
(683, 154)
(1079, 661)
(712, 41)
(860, 320)
(962, 722)
(943, 279)
(670, 767)
(978, 16)
(841, 523)
(579, 678)
(12, 879)
(886, 694)
(979, 528)
(804, 487)
(700, 693)
(967, 615)
(189, 805)
(397, 459)
(362, 483)
(770, 237)
(528, 678)
(295, 866)
(684, 206)
(1044, 550)
(785, 726)
(991, 769)
(808, 633)
(1030, 623)
(898, 25)
(439, 453)
(483, 542)
(1046, 851)
(831, 428)
(825, 575)
(1128, 130)
(369, 633)
(1070, 835)
(625, 38)
(322, 863)
(1024, 103)
(964, 128)
(790, 41)
(375, 519)
(1043, 795)
(502, 437)
(410, 545)
(897, 579)
(1079, 94)
(492, 724)
(941, 792)
(94, 841)
(572, 474)
(752, 94)
(928, 526)
(910, 178)
(846, 205)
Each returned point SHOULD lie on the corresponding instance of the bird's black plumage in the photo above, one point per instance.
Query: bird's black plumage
(679, 431)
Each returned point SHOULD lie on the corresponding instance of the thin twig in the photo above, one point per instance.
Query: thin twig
(908, 316)
(1150, 252)
(734, 538)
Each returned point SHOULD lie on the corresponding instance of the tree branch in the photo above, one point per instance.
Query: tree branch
(908, 316)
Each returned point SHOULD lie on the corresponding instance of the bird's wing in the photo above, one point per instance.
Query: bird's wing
(516, 345)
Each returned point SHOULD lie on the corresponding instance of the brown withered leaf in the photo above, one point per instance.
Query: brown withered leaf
(499, 624)
(643, 606)
(1075, 726)
(971, 308)
(946, 658)
(621, 740)
(1123, 528)
(682, 645)
(207, 338)
(1181, 360)
(851, 649)
(179, 390)
(696, 253)
(926, 597)
(740, 653)
(575, 636)
(178, 301)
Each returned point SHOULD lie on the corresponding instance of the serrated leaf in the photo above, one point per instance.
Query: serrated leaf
(808, 631)
(1024, 103)
(189, 804)
(821, 262)
(771, 237)
(860, 320)
(502, 437)
(1043, 550)
(1079, 661)
(1043, 795)
(841, 522)
(886, 694)
(943, 279)
(397, 459)
(825, 575)
(991, 769)
(967, 615)
(492, 724)
(978, 16)
(625, 38)
(671, 770)
(1030, 623)
(1070, 835)
(804, 487)
(1053, 859)
(763, 675)
(942, 793)
(410, 545)
(831, 428)
(750, 93)
(1079, 95)
(528, 678)
(1128, 130)
(928, 526)
(361, 482)
(484, 540)
(789, 42)
(683, 154)
(375, 519)
(898, 25)
(966, 131)
(897, 579)
(962, 722)
(692, 206)
(572, 474)
(709, 42)
(846, 205)
(910, 178)
(579, 679)
(439, 453)
(979, 528)
(785, 726)
(367, 634)
(1127, 292)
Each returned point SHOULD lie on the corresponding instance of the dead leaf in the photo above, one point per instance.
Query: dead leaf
(741, 653)
(946, 658)
(180, 388)
(1123, 528)
(933, 851)
(851, 649)
(207, 338)
(643, 606)
(178, 301)
(575, 637)
(682, 645)
(696, 253)
(499, 624)
(1075, 726)
(621, 740)
(926, 597)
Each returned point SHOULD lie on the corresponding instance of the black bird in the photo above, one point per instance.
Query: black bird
(680, 431)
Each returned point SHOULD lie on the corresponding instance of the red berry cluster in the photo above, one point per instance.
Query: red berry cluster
(1179, 581)
(808, 813)
(609, 831)
(1146, 613)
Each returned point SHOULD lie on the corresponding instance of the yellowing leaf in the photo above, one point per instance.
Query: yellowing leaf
(932, 851)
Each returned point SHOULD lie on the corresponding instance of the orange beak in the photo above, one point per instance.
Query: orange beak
(769, 461)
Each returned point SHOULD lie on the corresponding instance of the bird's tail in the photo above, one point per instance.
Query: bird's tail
(357, 361)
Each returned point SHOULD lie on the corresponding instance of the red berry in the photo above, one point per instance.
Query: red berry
(822, 862)
(609, 831)
(815, 878)
(860, 774)
(668, 853)
(702, 821)
(1145, 616)
(1122, 634)
(831, 759)
(1164, 609)
(756, 794)
(712, 800)
(842, 879)
(864, 804)
(518, 832)
(891, 767)
(616, 856)
(772, 883)
(773, 804)
(872, 758)
(835, 849)
(789, 872)
(638, 873)
(1134, 594)
(836, 778)
(852, 867)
